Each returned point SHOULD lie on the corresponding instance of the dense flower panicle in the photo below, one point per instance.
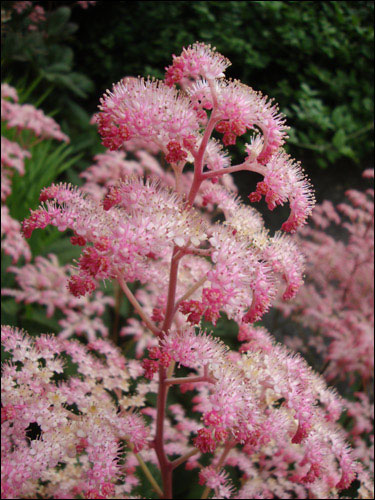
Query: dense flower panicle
(26, 116)
(146, 219)
(36, 16)
(8, 91)
(12, 159)
(198, 60)
(145, 109)
(93, 433)
(337, 299)
(138, 219)
(240, 398)
(12, 156)
(19, 7)
(238, 109)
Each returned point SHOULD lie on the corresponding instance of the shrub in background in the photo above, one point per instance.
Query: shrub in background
(38, 59)
(316, 59)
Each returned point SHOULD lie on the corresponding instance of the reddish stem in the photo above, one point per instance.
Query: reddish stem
(188, 380)
(198, 163)
(251, 167)
(169, 313)
(165, 465)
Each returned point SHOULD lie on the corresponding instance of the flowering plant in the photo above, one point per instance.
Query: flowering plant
(26, 129)
(263, 413)
(336, 306)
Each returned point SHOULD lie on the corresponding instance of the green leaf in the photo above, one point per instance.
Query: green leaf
(339, 139)
(57, 20)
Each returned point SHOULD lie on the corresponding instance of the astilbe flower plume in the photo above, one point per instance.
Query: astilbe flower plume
(173, 119)
(336, 305)
(337, 301)
(26, 116)
(239, 407)
(137, 220)
(263, 410)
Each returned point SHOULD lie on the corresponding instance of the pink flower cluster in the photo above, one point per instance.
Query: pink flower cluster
(173, 120)
(26, 116)
(44, 283)
(197, 252)
(337, 300)
(133, 231)
(265, 400)
(19, 7)
(12, 241)
(36, 16)
(13, 160)
(73, 423)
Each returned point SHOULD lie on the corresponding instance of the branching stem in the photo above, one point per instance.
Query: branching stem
(146, 471)
(188, 380)
(137, 306)
(183, 458)
(190, 291)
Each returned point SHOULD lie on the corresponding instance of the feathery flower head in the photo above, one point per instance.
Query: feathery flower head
(26, 116)
(145, 109)
(12, 241)
(198, 60)
(145, 219)
(284, 181)
(8, 91)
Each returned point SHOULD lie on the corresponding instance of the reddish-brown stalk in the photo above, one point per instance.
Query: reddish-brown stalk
(166, 466)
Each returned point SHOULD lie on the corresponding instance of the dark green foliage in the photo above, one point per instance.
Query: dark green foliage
(41, 64)
(314, 58)
(43, 52)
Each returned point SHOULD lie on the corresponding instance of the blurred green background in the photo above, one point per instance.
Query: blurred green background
(314, 58)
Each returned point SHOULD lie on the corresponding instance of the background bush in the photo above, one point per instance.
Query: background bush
(315, 58)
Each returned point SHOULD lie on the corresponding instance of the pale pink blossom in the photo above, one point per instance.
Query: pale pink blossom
(12, 240)
(45, 283)
(7, 90)
(198, 60)
(145, 109)
(26, 116)
(92, 435)
(337, 301)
